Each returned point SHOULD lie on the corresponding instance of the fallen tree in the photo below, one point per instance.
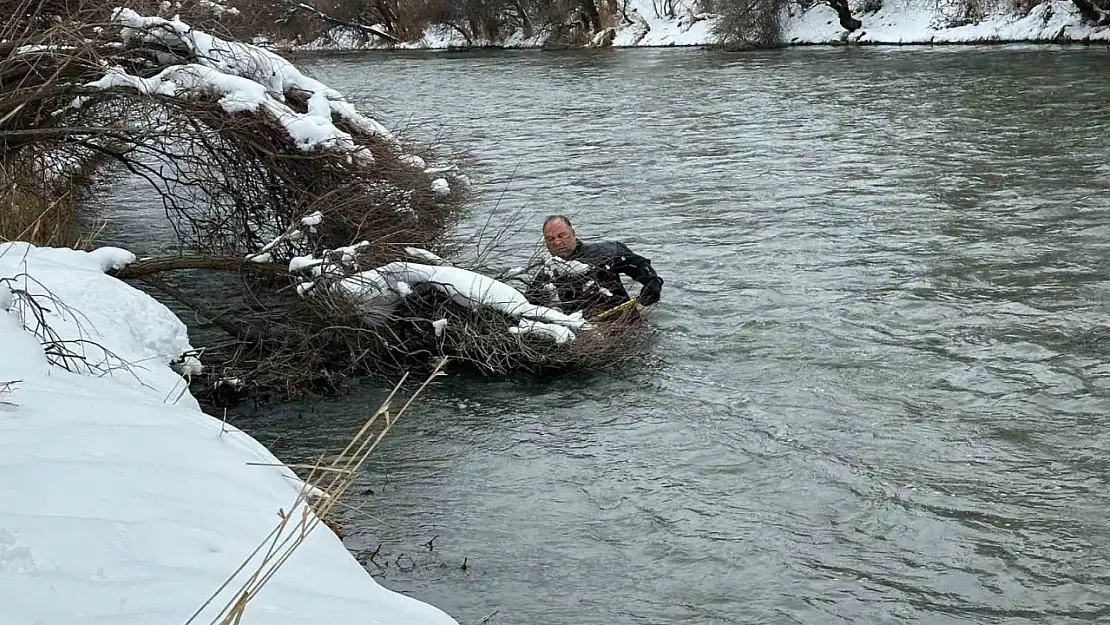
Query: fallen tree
(283, 199)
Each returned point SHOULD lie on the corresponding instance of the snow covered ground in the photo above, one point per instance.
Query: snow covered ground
(923, 22)
(896, 22)
(121, 501)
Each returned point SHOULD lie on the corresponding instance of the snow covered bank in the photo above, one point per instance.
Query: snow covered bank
(921, 22)
(121, 501)
(894, 22)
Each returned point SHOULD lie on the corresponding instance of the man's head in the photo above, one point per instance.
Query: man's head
(559, 236)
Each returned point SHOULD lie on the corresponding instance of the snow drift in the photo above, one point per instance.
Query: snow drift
(122, 502)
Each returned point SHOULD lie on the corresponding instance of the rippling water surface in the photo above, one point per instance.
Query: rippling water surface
(885, 367)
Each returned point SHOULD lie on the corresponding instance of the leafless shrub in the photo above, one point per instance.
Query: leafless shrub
(955, 13)
(745, 24)
(236, 190)
(870, 6)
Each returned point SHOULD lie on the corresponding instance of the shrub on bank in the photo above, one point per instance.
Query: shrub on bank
(260, 168)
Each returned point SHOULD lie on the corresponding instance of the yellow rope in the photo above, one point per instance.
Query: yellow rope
(612, 311)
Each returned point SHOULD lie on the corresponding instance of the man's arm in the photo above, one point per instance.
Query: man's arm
(632, 264)
(624, 260)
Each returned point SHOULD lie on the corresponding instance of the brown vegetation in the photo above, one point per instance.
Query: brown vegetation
(236, 188)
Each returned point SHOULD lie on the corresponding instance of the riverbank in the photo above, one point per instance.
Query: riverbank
(125, 503)
(909, 22)
(897, 22)
(883, 365)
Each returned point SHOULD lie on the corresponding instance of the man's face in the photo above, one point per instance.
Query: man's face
(559, 237)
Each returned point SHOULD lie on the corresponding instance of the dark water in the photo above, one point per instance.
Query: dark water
(885, 363)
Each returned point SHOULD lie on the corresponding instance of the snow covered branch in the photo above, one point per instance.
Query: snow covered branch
(247, 77)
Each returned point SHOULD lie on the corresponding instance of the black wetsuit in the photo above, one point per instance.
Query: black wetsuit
(600, 288)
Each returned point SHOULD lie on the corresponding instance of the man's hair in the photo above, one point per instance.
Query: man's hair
(563, 218)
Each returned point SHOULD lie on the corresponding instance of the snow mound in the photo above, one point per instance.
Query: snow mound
(121, 501)
(118, 333)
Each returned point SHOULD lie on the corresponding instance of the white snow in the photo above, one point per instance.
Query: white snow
(440, 187)
(556, 266)
(425, 255)
(31, 49)
(413, 160)
(188, 366)
(514, 272)
(300, 263)
(897, 22)
(309, 131)
(922, 22)
(315, 219)
(375, 290)
(264, 256)
(102, 326)
(346, 255)
(247, 78)
(442, 169)
(438, 325)
(648, 29)
(557, 333)
(217, 8)
(111, 258)
(121, 501)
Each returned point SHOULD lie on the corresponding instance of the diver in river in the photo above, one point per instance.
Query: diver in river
(586, 276)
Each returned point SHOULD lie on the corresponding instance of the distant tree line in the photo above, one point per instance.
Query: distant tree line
(477, 21)
(738, 23)
(569, 22)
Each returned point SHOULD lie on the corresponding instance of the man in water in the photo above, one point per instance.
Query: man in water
(586, 276)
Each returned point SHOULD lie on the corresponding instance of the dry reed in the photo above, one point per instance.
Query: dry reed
(322, 490)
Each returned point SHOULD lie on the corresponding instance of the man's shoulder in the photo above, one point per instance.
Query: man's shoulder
(602, 249)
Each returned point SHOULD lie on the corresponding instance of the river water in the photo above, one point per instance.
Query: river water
(879, 392)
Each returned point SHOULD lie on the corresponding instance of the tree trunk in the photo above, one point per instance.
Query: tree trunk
(150, 266)
(387, 15)
(1087, 10)
(475, 24)
(592, 14)
(525, 23)
(848, 22)
(377, 32)
(622, 8)
(462, 31)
